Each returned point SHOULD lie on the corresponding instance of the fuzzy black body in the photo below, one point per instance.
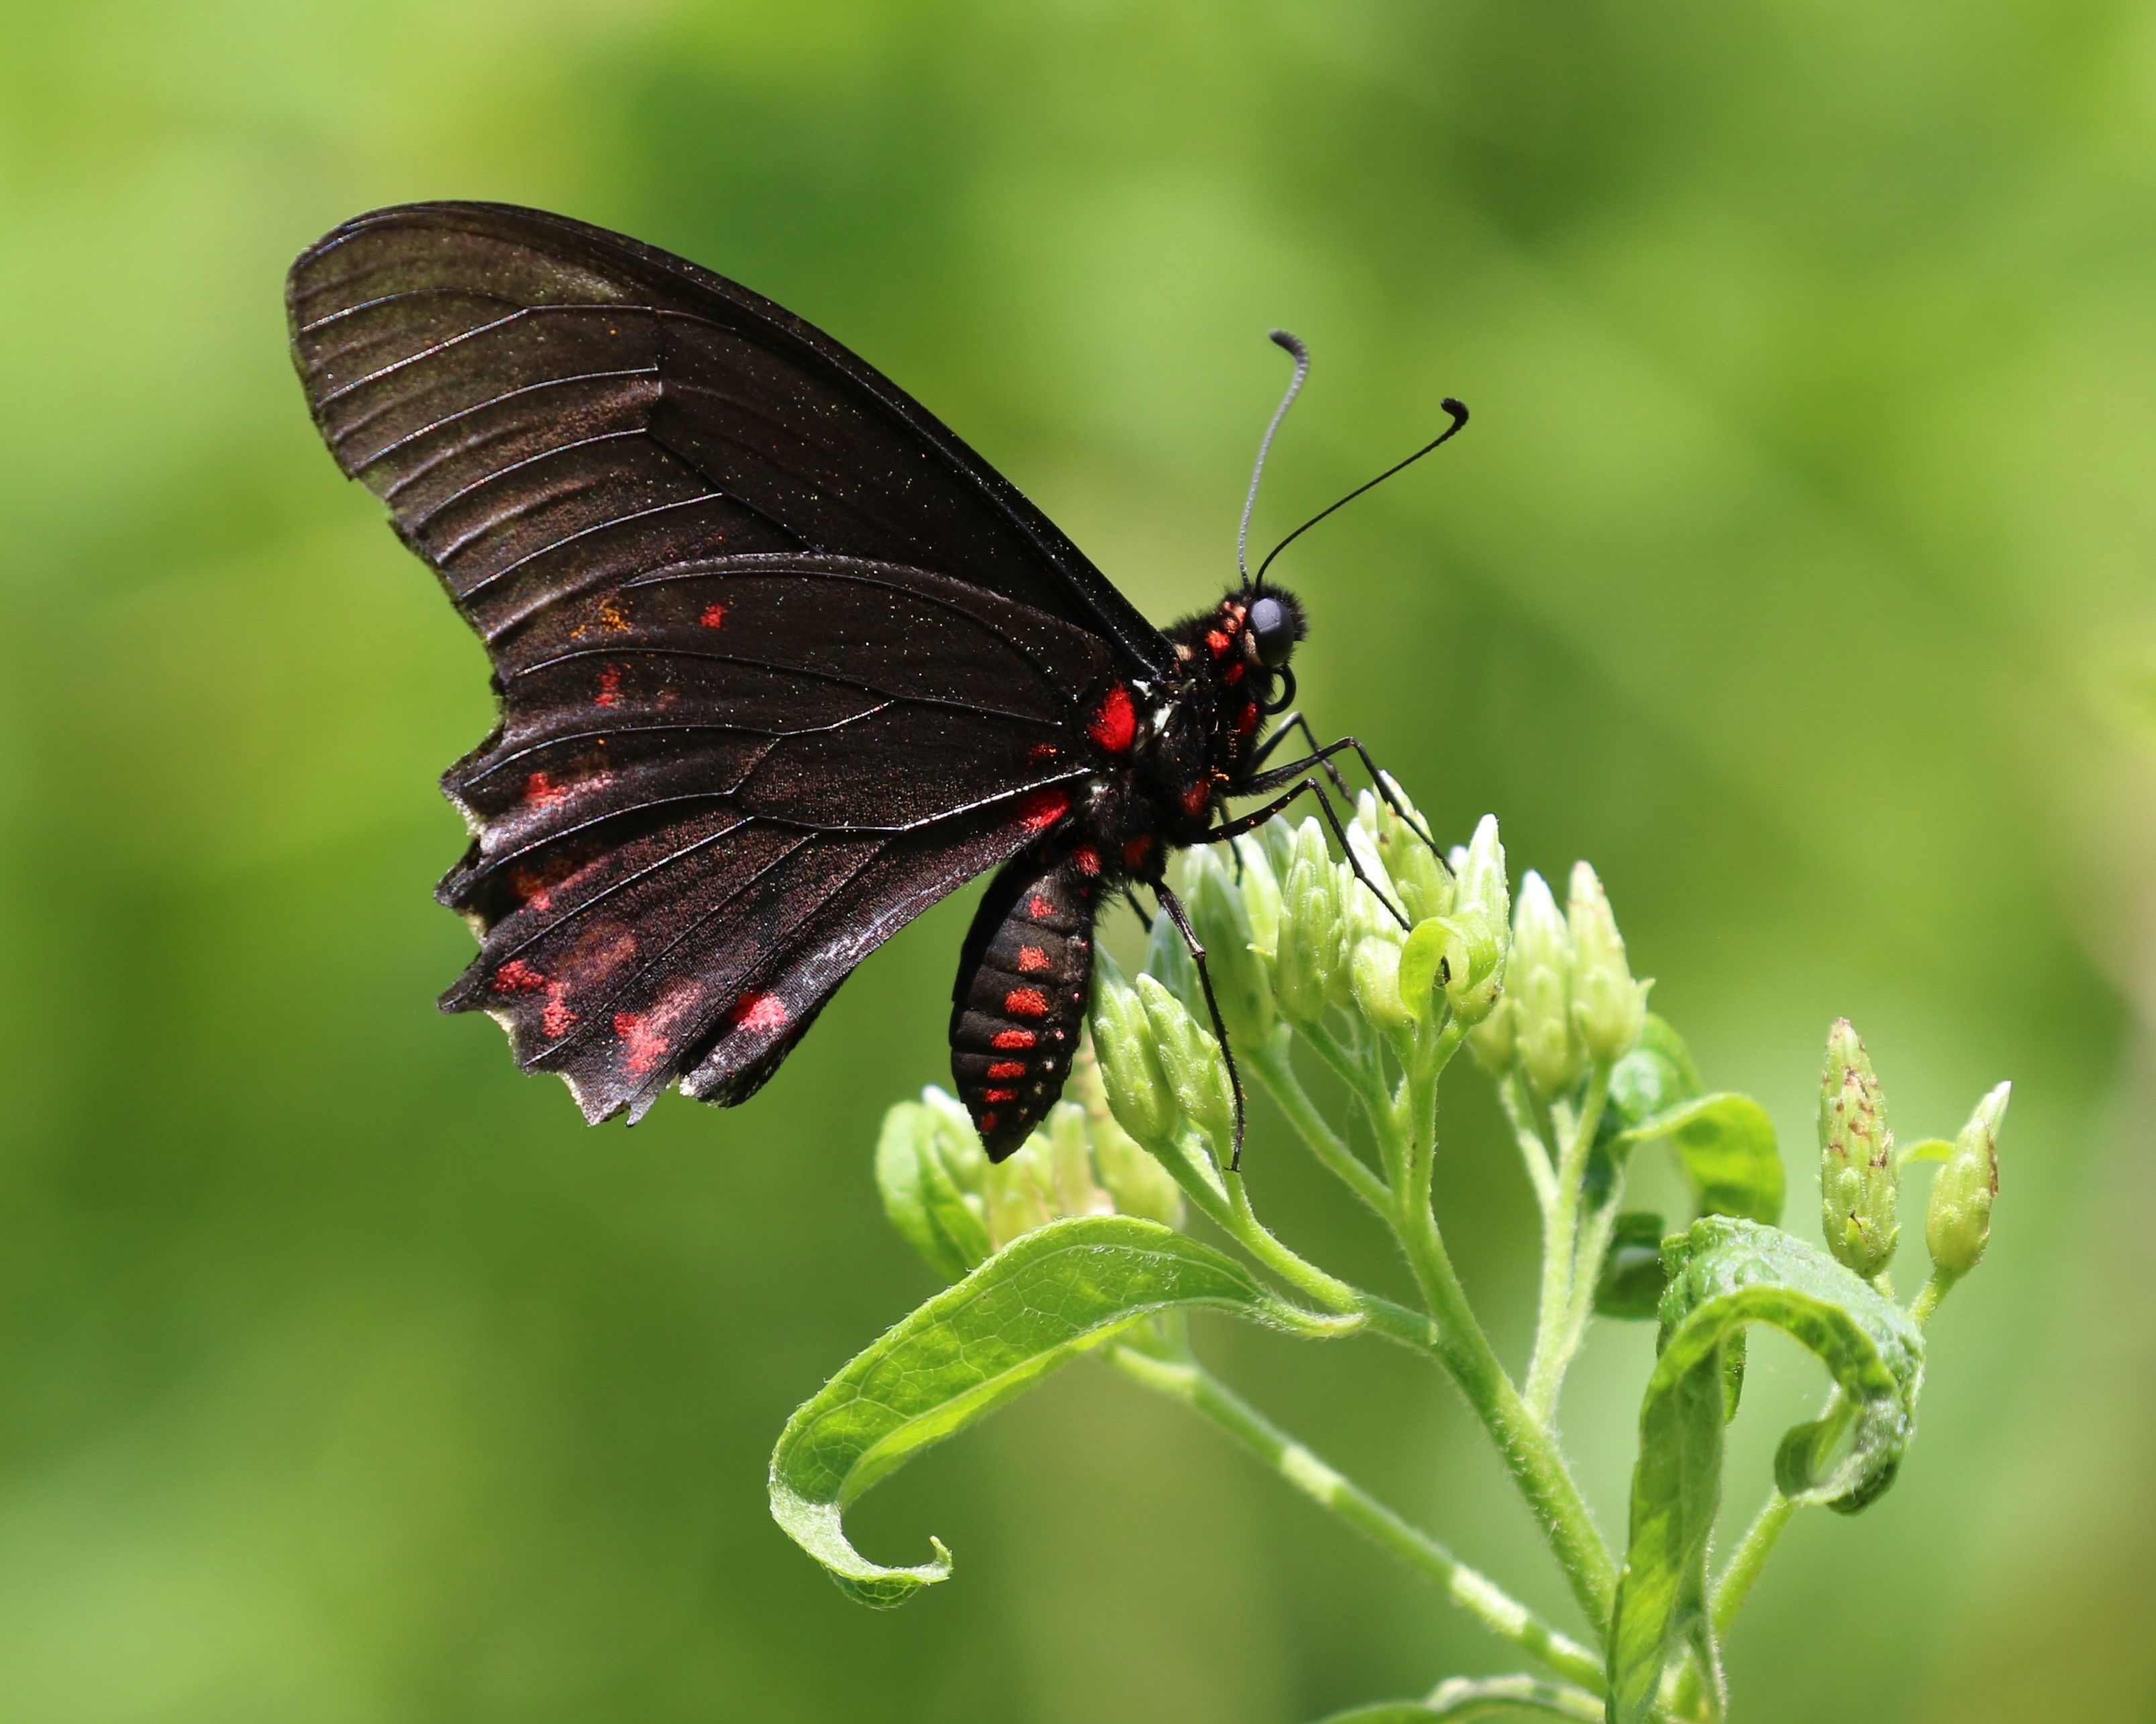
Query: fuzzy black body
(1163, 757)
(780, 661)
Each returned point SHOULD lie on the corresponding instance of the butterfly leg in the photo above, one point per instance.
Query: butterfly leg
(1137, 909)
(1379, 780)
(1295, 722)
(1307, 786)
(1171, 906)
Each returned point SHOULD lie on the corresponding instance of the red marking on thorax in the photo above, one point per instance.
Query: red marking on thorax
(1008, 1069)
(1217, 642)
(1115, 725)
(714, 617)
(1031, 961)
(517, 977)
(1232, 674)
(760, 1011)
(609, 694)
(1014, 1038)
(1042, 809)
(1246, 720)
(1134, 852)
(1193, 799)
(1026, 1003)
(1087, 858)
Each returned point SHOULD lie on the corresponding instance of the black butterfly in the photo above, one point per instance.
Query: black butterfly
(781, 662)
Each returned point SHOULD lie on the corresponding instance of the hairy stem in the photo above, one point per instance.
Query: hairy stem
(1277, 1072)
(1475, 1592)
(1556, 1340)
(1748, 1558)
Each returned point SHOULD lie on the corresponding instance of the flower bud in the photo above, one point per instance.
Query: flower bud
(1070, 1162)
(1020, 1190)
(1240, 985)
(1138, 1183)
(1374, 975)
(1495, 1041)
(1957, 1225)
(931, 1178)
(1138, 1090)
(1310, 931)
(1607, 1004)
(1541, 971)
(1362, 918)
(1261, 894)
(1478, 929)
(1191, 1060)
(1421, 885)
(1860, 1180)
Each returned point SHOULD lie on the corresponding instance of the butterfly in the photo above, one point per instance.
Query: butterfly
(780, 662)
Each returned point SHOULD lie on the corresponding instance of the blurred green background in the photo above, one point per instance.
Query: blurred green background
(1797, 569)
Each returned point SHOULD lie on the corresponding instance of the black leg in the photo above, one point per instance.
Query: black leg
(1296, 721)
(1137, 909)
(1258, 817)
(1171, 906)
(1259, 783)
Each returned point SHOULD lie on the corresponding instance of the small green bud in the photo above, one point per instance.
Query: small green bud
(1240, 985)
(1362, 918)
(1424, 887)
(1374, 975)
(1138, 1184)
(1138, 1090)
(1541, 971)
(1261, 896)
(1021, 1192)
(1495, 1041)
(1860, 1180)
(1957, 1225)
(1191, 1060)
(1479, 931)
(930, 1177)
(1311, 945)
(1608, 1006)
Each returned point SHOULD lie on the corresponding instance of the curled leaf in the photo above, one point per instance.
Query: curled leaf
(1726, 1274)
(1040, 1302)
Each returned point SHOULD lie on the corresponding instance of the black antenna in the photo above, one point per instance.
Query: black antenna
(1279, 338)
(1459, 412)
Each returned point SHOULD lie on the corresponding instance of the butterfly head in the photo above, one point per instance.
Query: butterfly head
(1275, 625)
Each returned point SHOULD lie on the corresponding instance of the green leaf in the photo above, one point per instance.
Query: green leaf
(920, 1196)
(1656, 1075)
(1725, 1144)
(1632, 1279)
(1930, 1149)
(1421, 959)
(1040, 1302)
(1725, 1274)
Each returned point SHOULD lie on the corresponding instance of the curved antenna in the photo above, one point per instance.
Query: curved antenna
(1459, 412)
(1279, 338)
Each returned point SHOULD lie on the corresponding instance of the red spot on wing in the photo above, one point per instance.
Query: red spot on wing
(1217, 642)
(1026, 1003)
(517, 977)
(1115, 724)
(999, 1095)
(641, 1047)
(609, 694)
(1246, 720)
(1007, 1069)
(1087, 859)
(1135, 851)
(1031, 960)
(1042, 809)
(714, 617)
(1193, 799)
(555, 1022)
(1014, 1038)
(759, 1011)
(541, 792)
(1042, 752)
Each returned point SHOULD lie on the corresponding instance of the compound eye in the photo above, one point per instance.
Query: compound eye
(1274, 631)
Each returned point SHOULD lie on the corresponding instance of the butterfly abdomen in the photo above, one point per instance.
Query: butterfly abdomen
(1020, 996)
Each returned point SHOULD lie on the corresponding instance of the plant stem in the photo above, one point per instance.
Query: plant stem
(1475, 1592)
(1272, 1063)
(1527, 1135)
(1748, 1558)
(1926, 1305)
(1556, 1340)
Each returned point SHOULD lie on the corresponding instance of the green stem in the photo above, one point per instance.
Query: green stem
(1475, 1592)
(1299, 1272)
(1926, 1305)
(1748, 1558)
(1555, 1340)
(1277, 1072)
(1527, 1135)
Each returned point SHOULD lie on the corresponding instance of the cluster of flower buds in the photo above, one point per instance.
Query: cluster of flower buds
(956, 1207)
(1569, 1000)
(1861, 1173)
